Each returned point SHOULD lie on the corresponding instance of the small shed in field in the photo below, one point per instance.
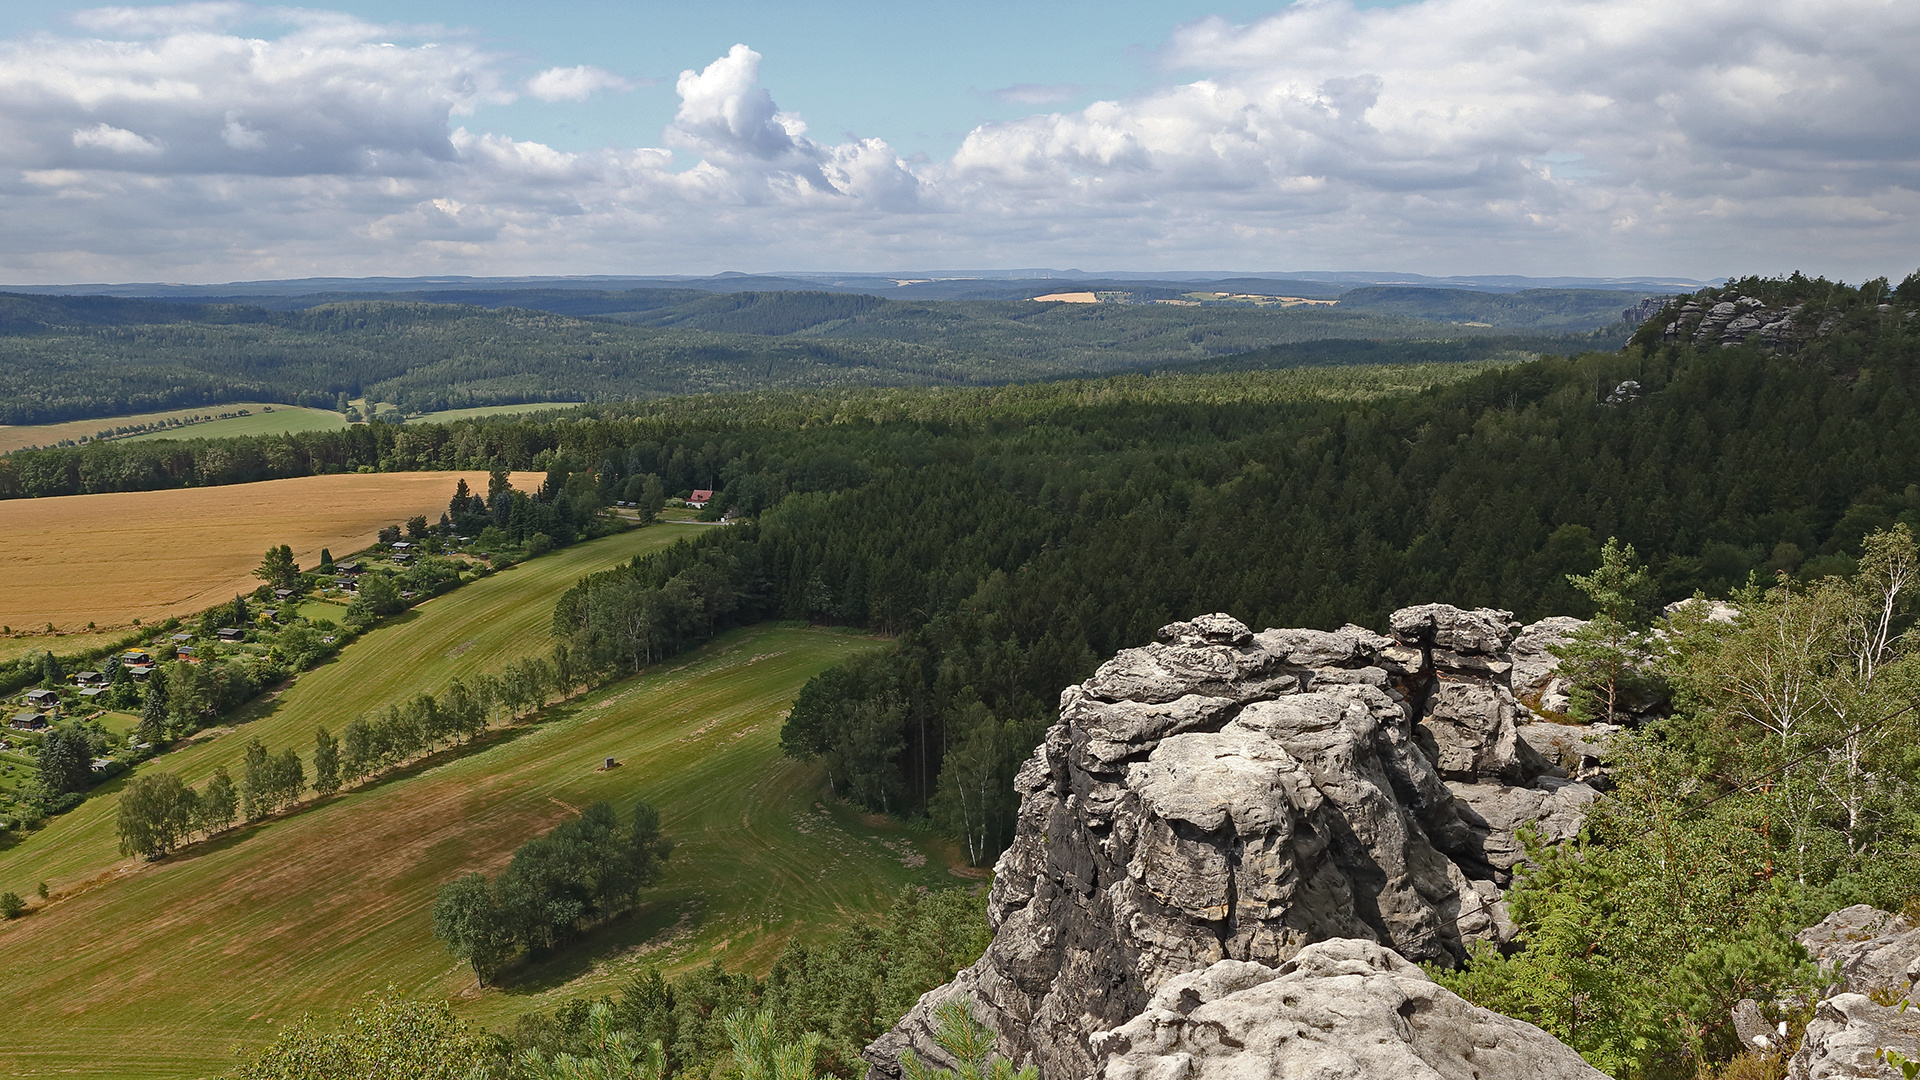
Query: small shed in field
(29, 720)
(232, 633)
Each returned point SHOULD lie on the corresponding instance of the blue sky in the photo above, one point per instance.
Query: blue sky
(918, 75)
(216, 139)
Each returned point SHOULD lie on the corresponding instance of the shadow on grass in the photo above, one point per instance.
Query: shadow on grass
(660, 919)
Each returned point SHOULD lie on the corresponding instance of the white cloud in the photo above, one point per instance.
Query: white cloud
(574, 83)
(1544, 136)
(117, 140)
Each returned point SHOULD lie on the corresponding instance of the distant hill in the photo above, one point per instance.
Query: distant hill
(88, 357)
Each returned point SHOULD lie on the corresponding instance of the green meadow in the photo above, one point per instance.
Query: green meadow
(162, 969)
(282, 419)
(480, 627)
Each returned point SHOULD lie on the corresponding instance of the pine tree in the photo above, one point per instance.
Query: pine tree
(1606, 661)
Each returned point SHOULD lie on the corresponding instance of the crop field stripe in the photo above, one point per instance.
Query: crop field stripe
(162, 971)
(479, 627)
(149, 554)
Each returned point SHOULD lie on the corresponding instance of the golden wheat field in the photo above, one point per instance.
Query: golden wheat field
(109, 559)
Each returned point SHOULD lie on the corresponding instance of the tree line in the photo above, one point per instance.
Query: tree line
(159, 812)
(66, 358)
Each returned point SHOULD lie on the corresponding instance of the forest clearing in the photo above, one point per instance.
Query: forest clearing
(112, 558)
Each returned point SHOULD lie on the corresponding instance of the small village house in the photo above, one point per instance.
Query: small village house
(700, 498)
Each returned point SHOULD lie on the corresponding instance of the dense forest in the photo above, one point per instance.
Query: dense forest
(65, 358)
(1011, 548)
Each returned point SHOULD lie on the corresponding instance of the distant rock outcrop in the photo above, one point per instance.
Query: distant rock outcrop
(1230, 796)
(1727, 323)
(1340, 1008)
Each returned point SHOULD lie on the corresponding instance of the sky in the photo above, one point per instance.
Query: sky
(217, 141)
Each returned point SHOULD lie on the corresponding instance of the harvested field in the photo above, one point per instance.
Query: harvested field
(159, 970)
(110, 559)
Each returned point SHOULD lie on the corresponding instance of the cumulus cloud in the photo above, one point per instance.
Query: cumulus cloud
(575, 83)
(1544, 136)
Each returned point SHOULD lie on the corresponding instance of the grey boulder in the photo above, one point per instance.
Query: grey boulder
(1338, 1009)
(1846, 1036)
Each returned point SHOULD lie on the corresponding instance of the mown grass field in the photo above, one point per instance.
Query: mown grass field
(160, 970)
(283, 418)
(112, 558)
(448, 416)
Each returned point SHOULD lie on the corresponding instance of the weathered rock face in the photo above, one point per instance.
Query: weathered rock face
(1341, 1008)
(1226, 795)
(1871, 952)
(1869, 949)
(1727, 323)
(1845, 1038)
(1534, 678)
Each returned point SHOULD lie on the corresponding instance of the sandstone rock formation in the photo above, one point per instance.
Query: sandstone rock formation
(1727, 323)
(1534, 678)
(1874, 953)
(1846, 1035)
(1340, 1008)
(1225, 795)
(1869, 949)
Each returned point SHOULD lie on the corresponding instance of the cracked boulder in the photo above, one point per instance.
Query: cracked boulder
(1337, 1009)
(1846, 1036)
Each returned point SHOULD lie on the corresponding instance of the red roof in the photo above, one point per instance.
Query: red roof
(701, 495)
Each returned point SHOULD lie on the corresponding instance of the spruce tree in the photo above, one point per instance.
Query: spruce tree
(153, 722)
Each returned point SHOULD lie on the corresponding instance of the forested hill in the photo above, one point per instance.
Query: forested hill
(65, 358)
(1012, 536)
(1012, 542)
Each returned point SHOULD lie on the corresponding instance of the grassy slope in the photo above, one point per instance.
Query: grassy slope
(477, 628)
(161, 971)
